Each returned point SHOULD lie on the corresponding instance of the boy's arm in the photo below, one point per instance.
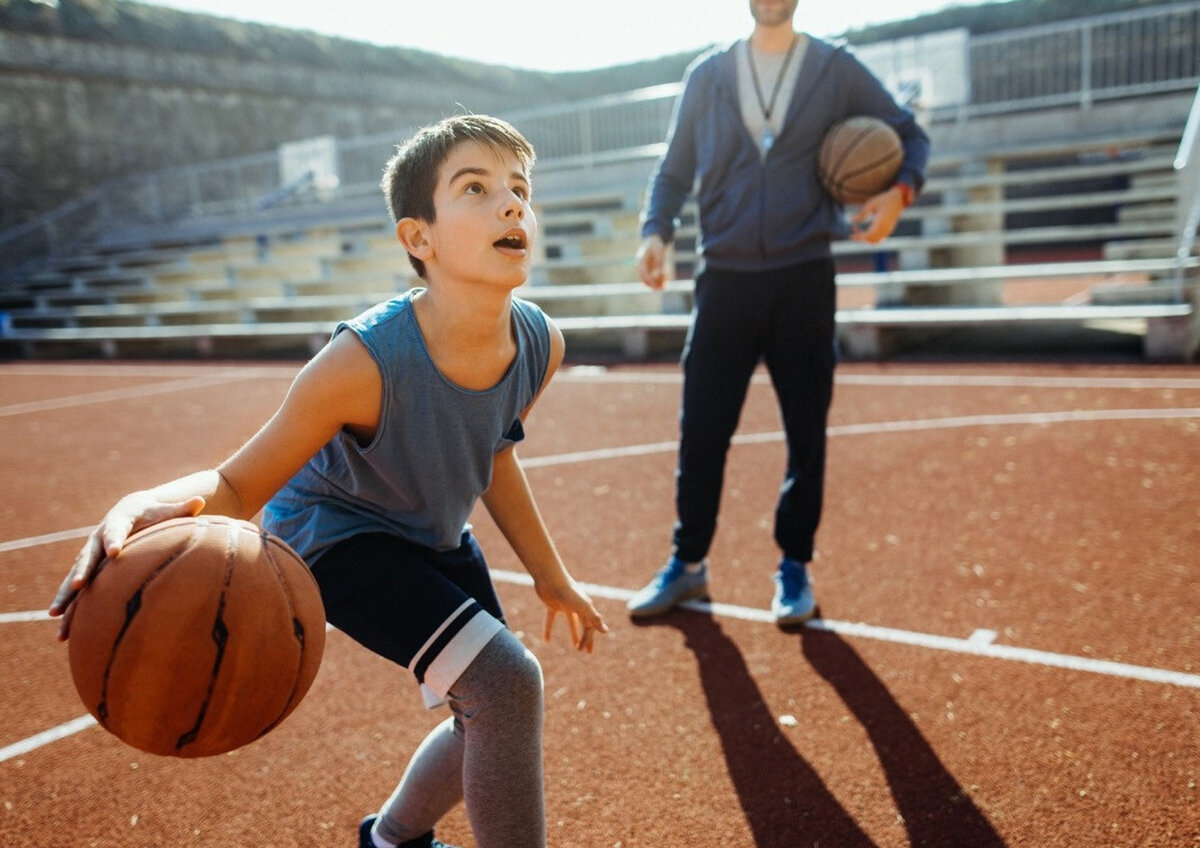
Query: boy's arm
(340, 387)
(509, 501)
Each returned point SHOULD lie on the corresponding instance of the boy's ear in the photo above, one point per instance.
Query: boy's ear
(414, 235)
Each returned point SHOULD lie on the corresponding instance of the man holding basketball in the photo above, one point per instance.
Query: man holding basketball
(372, 465)
(749, 124)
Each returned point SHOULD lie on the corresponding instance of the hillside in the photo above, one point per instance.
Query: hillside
(92, 90)
(996, 17)
(139, 24)
(159, 28)
(156, 27)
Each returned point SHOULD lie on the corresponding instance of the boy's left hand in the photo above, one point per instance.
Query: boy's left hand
(569, 600)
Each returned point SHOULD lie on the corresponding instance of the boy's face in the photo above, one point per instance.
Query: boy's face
(485, 227)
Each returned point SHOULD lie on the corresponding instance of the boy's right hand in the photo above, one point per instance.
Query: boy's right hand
(130, 514)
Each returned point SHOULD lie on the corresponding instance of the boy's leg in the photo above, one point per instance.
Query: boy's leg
(432, 785)
(499, 700)
(489, 754)
(434, 613)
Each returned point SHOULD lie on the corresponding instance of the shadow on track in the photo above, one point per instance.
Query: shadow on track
(784, 799)
(935, 808)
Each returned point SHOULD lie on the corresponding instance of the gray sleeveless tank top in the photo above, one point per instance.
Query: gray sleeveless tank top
(431, 458)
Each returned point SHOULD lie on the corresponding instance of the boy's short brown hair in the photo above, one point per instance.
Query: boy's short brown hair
(410, 177)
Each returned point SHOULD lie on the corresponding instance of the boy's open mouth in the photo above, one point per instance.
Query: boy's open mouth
(515, 240)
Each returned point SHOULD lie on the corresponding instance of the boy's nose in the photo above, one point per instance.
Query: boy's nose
(514, 207)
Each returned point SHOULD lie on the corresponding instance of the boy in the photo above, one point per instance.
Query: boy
(372, 464)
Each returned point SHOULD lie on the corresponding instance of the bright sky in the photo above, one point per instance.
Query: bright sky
(554, 35)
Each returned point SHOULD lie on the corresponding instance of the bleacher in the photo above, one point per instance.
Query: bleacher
(1059, 229)
(282, 292)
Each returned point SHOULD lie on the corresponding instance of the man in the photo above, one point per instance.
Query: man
(749, 123)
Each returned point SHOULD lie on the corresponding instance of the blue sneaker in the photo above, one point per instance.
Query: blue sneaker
(426, 841)
(675, 582)
(793, 603)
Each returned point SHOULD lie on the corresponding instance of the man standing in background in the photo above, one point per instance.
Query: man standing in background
(749, 124)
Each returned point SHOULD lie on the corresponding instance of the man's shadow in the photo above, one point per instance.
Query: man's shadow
(785, 801)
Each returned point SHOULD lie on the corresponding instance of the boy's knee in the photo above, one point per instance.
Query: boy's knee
(505, 676)
(521, 682)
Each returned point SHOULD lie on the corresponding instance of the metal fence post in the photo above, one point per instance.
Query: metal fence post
(1085, 69)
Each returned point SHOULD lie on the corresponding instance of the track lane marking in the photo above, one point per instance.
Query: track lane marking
(979, 644)
(880, 427)
(45, 539)
(130, 393)
(62, 731)
(54, 734)
(190, 378)
(585, 374)
(23, 617)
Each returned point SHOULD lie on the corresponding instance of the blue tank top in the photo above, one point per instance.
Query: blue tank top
(431, 457)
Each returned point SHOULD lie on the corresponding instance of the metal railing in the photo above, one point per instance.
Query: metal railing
(1187, 176)
(1117, 55)
(1072, 63)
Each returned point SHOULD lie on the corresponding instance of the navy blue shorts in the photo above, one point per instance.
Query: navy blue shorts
(429, 611)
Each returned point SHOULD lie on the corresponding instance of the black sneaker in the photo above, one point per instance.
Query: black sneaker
(426, 841)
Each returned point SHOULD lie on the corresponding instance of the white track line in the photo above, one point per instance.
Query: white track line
(979, 644)
(22, 617)
(46, 737)
(125, 394)
(47, 539)
(192, 380)
(47, 369)
(875, 428)
(54, 734)
(589, 373)
(983, 381)
(594, 375)
(1004, 420)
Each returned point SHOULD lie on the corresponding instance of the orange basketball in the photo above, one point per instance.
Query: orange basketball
(199, 637)
(859, 158)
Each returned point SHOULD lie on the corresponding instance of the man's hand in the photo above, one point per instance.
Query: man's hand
(878, 216)
(651, 257)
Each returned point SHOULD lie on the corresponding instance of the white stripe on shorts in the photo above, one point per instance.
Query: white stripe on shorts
(452, 660)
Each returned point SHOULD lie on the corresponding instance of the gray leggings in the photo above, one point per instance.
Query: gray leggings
(489, 755)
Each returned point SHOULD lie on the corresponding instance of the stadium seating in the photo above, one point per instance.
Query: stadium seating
(1081, 232)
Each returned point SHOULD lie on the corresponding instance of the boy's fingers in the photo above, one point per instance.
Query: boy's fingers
(106, 541)
(115, 536)
(63, 598)
(78, 575)
(64, 627)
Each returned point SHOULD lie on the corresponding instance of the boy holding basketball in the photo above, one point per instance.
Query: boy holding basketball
(749, 123)
(371, 466)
